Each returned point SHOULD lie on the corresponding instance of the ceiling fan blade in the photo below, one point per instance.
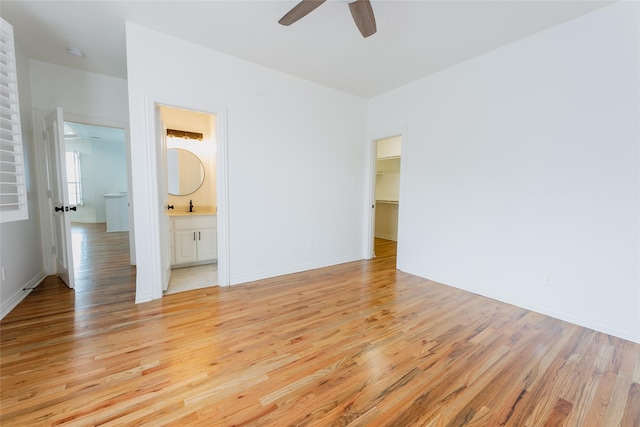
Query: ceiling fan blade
(362, 13)
(299, 11)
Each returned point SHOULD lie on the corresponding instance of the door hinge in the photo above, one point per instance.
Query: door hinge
(49, 193)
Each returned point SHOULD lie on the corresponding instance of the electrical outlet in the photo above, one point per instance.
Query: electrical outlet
(547, 278)
(309, 246)
(4, 274)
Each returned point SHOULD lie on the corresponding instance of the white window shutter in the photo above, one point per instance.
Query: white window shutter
(13, 188)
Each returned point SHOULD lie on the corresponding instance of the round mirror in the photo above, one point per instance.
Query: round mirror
(185, 172)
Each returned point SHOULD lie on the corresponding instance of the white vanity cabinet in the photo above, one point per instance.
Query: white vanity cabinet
(194, 239)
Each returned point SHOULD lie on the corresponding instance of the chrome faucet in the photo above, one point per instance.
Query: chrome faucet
(190, 205)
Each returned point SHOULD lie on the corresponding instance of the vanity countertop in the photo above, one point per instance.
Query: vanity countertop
(197, 210)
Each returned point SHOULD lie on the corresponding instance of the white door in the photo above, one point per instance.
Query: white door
(161, 158)
(62, 250)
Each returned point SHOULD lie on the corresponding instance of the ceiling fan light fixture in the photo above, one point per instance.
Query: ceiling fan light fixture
(361, 11)
(363, 16)
(299, 11)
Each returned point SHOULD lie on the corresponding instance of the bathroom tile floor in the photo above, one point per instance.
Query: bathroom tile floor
(189, 278)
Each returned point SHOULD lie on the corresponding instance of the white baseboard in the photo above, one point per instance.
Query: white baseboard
(576, 319)
(244, 278)
(144, 297)
(15, 299)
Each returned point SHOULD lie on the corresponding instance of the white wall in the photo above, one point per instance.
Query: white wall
(295, 158)
(20, 249)
(525, 162)
(85, 98)
(79, 93)
(103, 167)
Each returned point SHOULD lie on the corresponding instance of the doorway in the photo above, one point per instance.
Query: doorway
(153, 254)
(385, 196)
(97, 181)
(190, 149)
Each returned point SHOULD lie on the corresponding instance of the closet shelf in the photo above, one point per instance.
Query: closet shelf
(389, 158)
(390, 202)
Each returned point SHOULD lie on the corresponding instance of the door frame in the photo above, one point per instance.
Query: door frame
(42, 160)
(370, 191)
(95, 121)
(222, 188)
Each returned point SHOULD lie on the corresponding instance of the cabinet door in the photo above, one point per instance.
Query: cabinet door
(207, 244)
(185, 246)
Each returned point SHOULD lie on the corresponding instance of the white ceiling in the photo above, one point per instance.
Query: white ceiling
(414, 38)
(90, 132)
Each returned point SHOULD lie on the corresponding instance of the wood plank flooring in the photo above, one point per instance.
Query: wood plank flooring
(357, 344)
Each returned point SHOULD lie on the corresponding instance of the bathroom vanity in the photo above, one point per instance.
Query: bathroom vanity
(193, 237)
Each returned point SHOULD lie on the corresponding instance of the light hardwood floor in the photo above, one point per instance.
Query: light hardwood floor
(356, 344)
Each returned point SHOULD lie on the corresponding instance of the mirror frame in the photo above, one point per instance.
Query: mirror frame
(202, 172)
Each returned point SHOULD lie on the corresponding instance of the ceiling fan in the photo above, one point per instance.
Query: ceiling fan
(361, 11)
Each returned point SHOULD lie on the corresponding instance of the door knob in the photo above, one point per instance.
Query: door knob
(73, 208)
(58, 209)
(170, 207)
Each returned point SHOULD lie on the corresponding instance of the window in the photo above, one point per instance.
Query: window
(74, 179)
(13, 188)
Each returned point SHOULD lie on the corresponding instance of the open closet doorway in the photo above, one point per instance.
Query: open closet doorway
(97, 182)
(388, 154)
(190, 153)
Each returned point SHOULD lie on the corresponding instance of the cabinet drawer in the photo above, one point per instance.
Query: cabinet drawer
(193, 222)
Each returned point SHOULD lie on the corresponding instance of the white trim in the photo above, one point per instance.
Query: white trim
(222, 196)
(144, 296)
(271, 274)
(15, 299)
(42, 181)
(567, 316)
(169, 100)
(370, 199)
(370, 191)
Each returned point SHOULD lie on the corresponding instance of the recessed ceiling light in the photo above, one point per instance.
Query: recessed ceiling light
(75, 52)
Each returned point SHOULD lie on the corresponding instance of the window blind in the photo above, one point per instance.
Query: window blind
(13, 189)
